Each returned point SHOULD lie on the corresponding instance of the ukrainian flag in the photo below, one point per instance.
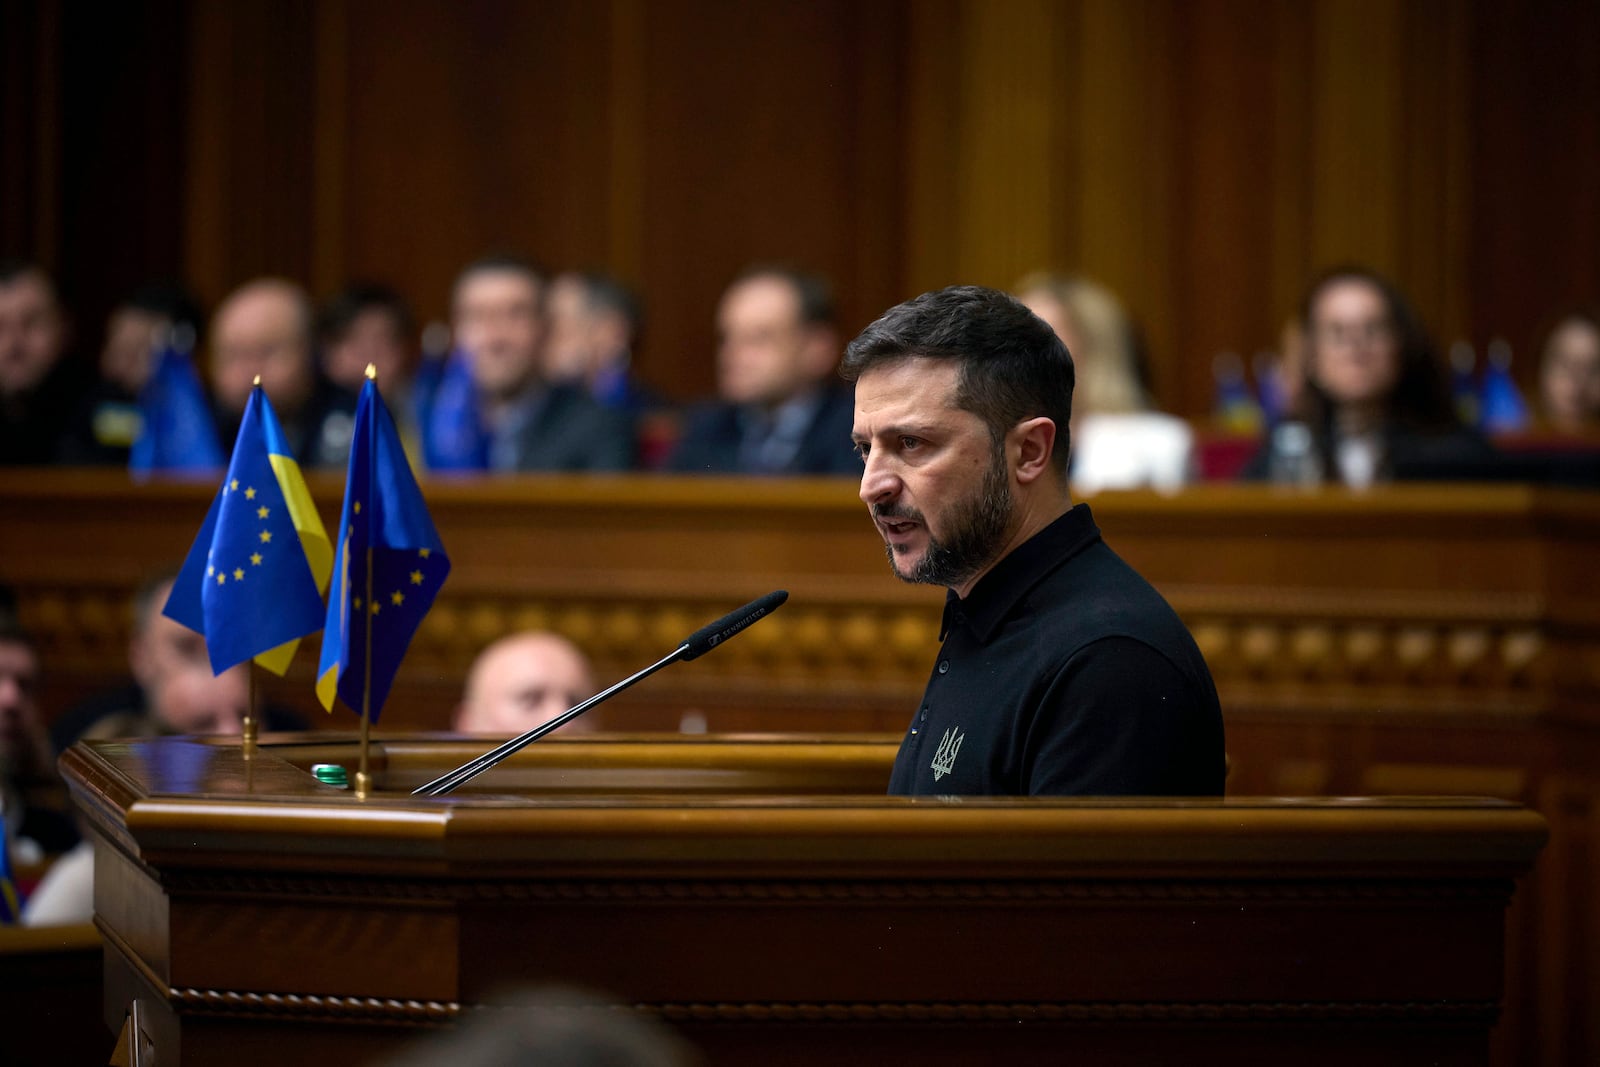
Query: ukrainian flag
(390, 566)
(253, 582)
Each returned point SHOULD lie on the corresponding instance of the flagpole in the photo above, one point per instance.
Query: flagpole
(250, 718)
(363, 777)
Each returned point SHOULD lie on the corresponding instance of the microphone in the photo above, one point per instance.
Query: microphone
(694, 646)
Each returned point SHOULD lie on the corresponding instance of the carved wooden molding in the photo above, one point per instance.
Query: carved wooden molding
(376, 1010)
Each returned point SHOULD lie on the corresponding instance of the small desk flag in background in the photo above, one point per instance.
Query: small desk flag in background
(10, 903)
(253, 582)
(179, 434)
(386, 522)
(453, 434)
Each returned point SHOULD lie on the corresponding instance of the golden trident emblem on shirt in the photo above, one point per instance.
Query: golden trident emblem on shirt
(944, 760)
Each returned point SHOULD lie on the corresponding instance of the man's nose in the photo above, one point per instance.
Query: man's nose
(879, 484)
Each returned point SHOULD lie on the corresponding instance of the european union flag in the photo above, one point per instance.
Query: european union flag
(10, 903)
(179, 435)
(389, 567)
(1501, 408)
(253, 582)
(453, 434)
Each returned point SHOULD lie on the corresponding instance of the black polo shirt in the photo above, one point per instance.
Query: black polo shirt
(1064, 672)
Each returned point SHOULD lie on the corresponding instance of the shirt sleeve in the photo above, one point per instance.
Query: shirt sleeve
(1115, 720)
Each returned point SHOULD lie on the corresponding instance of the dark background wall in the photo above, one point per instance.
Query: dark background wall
(1202, 158)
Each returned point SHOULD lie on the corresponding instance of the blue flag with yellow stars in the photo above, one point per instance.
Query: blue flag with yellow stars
(10, 904)
(389, 567)
(253, 582)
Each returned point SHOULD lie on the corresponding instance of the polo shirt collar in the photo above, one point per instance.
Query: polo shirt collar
(997, 592)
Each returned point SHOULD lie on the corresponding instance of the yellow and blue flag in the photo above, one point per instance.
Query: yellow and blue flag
(10, 903)
(253, 582)
(389, 567)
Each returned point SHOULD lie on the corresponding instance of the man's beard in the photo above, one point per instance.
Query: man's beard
(978, 526)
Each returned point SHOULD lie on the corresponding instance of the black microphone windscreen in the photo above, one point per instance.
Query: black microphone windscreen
(708, 637)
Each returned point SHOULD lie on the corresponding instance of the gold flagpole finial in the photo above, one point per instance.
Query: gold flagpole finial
(372, 372)
(258, 381)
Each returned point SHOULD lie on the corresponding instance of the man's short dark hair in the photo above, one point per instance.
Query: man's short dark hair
(1012, 366)
(353, 301)
(604, 294)
(814, 294)
(504, 263)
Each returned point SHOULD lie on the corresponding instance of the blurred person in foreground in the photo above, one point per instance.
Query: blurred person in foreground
(1569, 374)
(267, 327)
(1374, 405)
(1119, 440)
(523, 680)
(1062, 671)
(41, 386)
(32, 796)
(780, 409)
(172, 689)
(494, 408)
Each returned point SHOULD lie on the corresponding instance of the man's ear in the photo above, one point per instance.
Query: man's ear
(1032, 442)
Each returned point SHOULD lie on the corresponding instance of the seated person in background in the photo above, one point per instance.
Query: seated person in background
(523, 680)
(1569, 374)
(1118, 440)
(504, 414)
(780, 408)
(33, 799)
(110, 421)
(594, 326)
(266, 328)
(1062, 671)
(172, 690)
(1374, 405)
(41, 386)
(368, 323)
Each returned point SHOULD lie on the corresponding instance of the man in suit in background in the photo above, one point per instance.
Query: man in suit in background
(524, 680)
(780, 408)
(498, 312)
(41, 386)
(267, 327)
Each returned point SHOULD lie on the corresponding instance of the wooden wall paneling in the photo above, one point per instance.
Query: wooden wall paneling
(1535, 156)
(1358, 139)
(30, 130)
(330, 141)
(1435, 219)
(1229, 100)
(251, 165)
(934, 144)
(475, 129)
(625, 123)
(752, 118)
(1291, 176)
(1126, 121)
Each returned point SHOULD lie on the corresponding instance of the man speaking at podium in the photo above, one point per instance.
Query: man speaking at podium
(1062, 670)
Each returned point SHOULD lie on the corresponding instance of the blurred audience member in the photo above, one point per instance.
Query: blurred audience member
(1569, 374)
(371, 324)
(172, 689)
(1118, 440)
(781, 408)
(32, 797)
(110, 422)
(1374, 403)
(552, 1027)
(266, 328)
(41, 387)
(523, 680)
(594, 324)
(498, 410)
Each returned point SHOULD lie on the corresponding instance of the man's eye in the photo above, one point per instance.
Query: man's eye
(910, 442)
(862, 448)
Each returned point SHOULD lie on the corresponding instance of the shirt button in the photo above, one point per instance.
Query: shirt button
(944, 666)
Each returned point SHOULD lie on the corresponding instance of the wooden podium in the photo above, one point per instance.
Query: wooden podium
(761, 895)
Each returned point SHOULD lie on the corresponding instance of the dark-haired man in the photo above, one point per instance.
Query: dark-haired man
(780, 410)
(1062, 670)
(532, 424)
(41, 386)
